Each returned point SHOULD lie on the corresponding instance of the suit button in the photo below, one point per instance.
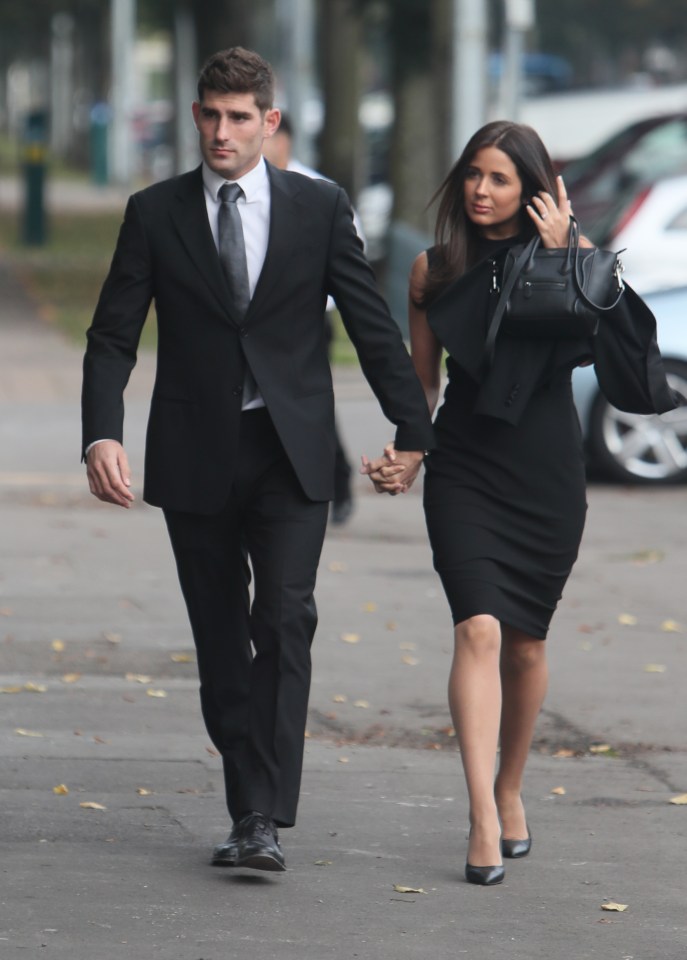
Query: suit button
(243, 331)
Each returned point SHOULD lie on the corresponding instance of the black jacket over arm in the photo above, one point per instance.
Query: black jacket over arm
(166, 253)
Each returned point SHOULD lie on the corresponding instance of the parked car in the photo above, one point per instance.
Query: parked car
(632, 448)
(650, 225)
(623, 165)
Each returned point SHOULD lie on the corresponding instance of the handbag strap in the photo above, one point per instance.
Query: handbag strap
(575, 238)
(506, 290)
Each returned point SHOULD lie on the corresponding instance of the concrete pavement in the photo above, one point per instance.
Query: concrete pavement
(101, 697)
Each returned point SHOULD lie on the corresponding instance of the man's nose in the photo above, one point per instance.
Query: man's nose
(223, 129)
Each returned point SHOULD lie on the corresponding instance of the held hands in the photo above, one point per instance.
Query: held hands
(109, 476)
(395, 471)
(551, 220)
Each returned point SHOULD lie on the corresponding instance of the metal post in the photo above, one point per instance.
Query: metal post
(469, 87)
(185, 73)
(61, 83)
(296, 21)
(520, 18)
(123, 38)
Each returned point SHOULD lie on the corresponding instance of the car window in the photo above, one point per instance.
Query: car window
(662, 151)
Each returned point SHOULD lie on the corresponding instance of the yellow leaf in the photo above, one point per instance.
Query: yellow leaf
(363, 704)
(350, 637)
(307, 734)
(35, 687)
(671, 626)
(70, 677)
(137, 677)
(336, 566)
(410, 661)
(143, 792)
(642, 557)
(323, 863)
(627, 619)
(182, 657)
(370, 606)
(564, 752)
(159, 694)
(343, 759)
(599, 747)
(61, 790)
(680, 800)
(407, 645)
(57, 646)
(399, 888)
(339, 698)
(27, 733)
(615, 907)
(113, 637)
(12, 689)
(559, 791)
(92, 805)
(655, 668)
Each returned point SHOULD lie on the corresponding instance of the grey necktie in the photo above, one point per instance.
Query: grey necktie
(232, 255)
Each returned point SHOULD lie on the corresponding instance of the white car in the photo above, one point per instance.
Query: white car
(629, 447)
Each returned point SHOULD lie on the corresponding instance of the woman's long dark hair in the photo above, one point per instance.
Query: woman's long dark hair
(456, 236)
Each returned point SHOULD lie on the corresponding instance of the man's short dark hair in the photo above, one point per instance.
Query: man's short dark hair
(285, 125)
(238, 70)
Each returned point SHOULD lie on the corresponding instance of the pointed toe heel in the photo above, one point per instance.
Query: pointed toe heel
(514, 849)
(484, 876)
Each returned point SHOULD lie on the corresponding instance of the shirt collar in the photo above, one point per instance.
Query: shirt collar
(251, 183)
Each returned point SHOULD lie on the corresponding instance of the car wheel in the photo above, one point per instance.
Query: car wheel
(633, 448)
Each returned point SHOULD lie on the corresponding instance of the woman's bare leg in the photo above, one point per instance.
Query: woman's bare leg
(524, 677)
(475, 700)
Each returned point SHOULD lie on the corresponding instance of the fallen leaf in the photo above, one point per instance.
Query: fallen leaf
(600, 747)
(137, 677)
(671, 626)
(391, 625)
(212, 751)
(57, 646)
(13, 689)
(159, 694)
(585, 628)
(61, 790)
(344, 759)
(99, 740)
(113, 637)
(307, 735)
(655, 668)
(399, 888)
(363, 704)
(448, 731)
(339, 698)
(6, 611)
(559, 791)
(143, 792)
(642, 557)
(182, 657)
(350, 637)
(680, 800)
(370, 606)
(92, 805)
(27, 733)
(586, 645)
(564, 752)
(323, 863)
(627, 619)
(615, 907)
(410, 661)
(35, 687)
(70, 677)
(337, 566)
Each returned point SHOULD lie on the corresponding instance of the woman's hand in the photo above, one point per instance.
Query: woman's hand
(551, 219)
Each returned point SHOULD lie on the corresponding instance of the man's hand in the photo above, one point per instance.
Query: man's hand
(395, 471)
(109, 476)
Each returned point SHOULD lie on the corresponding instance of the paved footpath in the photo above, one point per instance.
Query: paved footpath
(100, 702)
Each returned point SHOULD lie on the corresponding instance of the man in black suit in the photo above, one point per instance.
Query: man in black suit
(240, 442)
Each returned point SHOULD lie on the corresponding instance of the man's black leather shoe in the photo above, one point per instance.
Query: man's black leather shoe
(258, 845)
(225, 854)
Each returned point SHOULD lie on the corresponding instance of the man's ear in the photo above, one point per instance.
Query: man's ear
(195, 107)
(271, 122)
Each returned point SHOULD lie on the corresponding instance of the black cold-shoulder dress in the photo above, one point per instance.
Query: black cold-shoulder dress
(505, 502)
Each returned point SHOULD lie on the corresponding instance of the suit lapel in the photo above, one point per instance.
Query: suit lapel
(189, 214)
(283, 215)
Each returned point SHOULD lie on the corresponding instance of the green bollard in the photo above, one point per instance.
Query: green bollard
(34, 165)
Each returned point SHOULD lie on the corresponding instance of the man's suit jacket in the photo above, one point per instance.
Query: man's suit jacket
(166, 252)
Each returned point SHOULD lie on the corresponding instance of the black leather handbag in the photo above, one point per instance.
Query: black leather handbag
(554, 294)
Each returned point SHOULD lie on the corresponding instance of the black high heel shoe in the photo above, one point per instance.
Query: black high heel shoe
(484, 876)
(514, 849)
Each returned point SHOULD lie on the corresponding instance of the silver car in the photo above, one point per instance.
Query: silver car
(628, 447)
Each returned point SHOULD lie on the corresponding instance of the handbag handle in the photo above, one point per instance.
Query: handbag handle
(520, 265)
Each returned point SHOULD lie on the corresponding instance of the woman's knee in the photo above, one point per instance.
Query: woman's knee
(521, 655)
(481, 633)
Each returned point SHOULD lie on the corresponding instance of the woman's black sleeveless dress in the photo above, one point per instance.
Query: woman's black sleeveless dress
(506, 504)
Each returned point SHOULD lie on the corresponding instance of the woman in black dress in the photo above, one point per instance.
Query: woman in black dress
(505, 487)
